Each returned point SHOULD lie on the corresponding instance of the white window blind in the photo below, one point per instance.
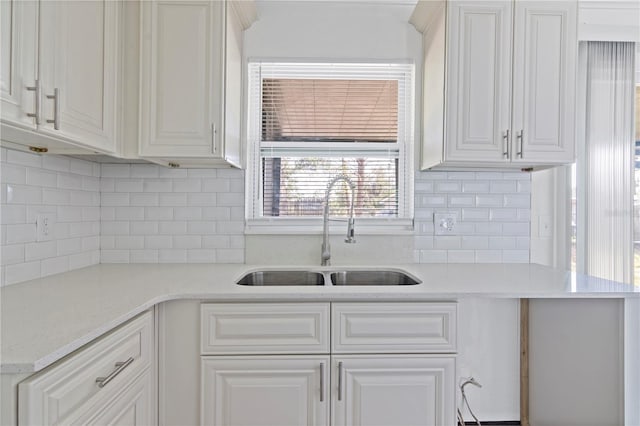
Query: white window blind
(309, 122)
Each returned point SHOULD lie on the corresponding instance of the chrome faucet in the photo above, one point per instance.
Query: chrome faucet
(326, 248)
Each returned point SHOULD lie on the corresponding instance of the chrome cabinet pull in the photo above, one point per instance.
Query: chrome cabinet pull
(103, 381)
(36, 113)
(213, 138)
(505, 138)
(520, 136)
(56, 108)
(322, 382)
(340, 381)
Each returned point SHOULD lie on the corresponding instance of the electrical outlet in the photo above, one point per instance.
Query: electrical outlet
(544, 226)
(45, 223)
(445, 223)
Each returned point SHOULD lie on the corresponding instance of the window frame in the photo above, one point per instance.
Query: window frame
(255, 223)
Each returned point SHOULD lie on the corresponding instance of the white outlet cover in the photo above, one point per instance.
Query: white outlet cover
(444, 223)
(45, 226)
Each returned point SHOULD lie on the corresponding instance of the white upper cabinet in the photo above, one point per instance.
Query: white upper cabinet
(509, 74)
(190, 86)
(78, 68)
(544, 83)
(59, 68)
(18, 64)
(479, 89)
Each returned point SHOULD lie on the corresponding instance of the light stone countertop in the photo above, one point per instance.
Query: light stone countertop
(46, 319)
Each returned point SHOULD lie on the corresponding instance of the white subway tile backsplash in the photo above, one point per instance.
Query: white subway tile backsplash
(69, 246)
(13, 214)
(56, 162)
(230, 256)
(187, 241)
(503, 187)
(216, 241)
(114, 227)
(158, 213)
(502, 243)
(157, 185)
(448, 187)
(433, 256)
(172, 256)
(22, 233)
(114, 256)
(81, 260)
(462, 201)
(471, 242)
(114, 199)
(503, 214)
(202, 173)
(172, 228)
(116, 171)
(21, 272)
(204, 256)
(144, 228)
(447, 242)
(203, 199)
(12, 254)
(475, 187)
(201, 228)
(515, 256)
(173, 200)
(129, 242)
(143, 256)
(42, 178)
(142, 199)
(216, 185)
(129, 213)
(81, 167)
(172, 173)
(158, 241)
(128, 185)
(23, 158)
(10, 173)
(517, 229)
(187, 185)
(460, 256)
(22, 194)
(187, 213)
(517, 200)
(488, 256)
(144, 170)
(69, 181)
(487, 200)
(475, 214)
(54, 265)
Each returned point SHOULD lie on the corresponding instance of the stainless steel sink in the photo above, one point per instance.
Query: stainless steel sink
(372, 278)
(276, 278)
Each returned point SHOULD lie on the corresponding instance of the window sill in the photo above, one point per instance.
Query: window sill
(305, 226)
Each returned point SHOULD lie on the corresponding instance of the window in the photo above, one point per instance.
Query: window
(309, 122)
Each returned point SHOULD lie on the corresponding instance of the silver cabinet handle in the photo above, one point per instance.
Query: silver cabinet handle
(56, 108)
(213, 138)
(505, 138)
(520, 136)
(340, 381)
(36, 113)
(322, 382)
(103, 381)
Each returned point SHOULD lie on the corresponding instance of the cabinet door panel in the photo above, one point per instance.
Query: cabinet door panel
(393, 391)
(181, 72)
(544, 81)
(19, 49)
(276, 391)
(478, 88)
(78, 57)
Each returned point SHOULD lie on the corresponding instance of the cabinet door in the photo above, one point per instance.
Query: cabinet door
(544, 81)
(19, 49)
(393, 390)
(274, 391)
(133, 406)
(479, 80)
(78, 42)
(181, 76)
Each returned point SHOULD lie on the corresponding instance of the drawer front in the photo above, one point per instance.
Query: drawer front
(273, 328)
(62, 389)
(394, 327)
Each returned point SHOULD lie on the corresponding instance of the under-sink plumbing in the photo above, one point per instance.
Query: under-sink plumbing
(326, 248)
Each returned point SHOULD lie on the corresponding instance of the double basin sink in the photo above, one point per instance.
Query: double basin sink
(334, 277)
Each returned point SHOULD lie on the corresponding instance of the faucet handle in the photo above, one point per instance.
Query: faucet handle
(350, 231)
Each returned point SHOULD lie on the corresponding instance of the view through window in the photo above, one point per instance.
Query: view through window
(311, 122)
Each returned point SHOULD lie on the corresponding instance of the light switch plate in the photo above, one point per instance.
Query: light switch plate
(445, 223)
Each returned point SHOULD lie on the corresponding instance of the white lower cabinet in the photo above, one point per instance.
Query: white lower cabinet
(364, 378)
(393, 390)
(261, 391)
(109, 381)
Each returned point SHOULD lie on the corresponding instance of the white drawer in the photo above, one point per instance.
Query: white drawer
(393, 327)
(60, 390)
(266, 328)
